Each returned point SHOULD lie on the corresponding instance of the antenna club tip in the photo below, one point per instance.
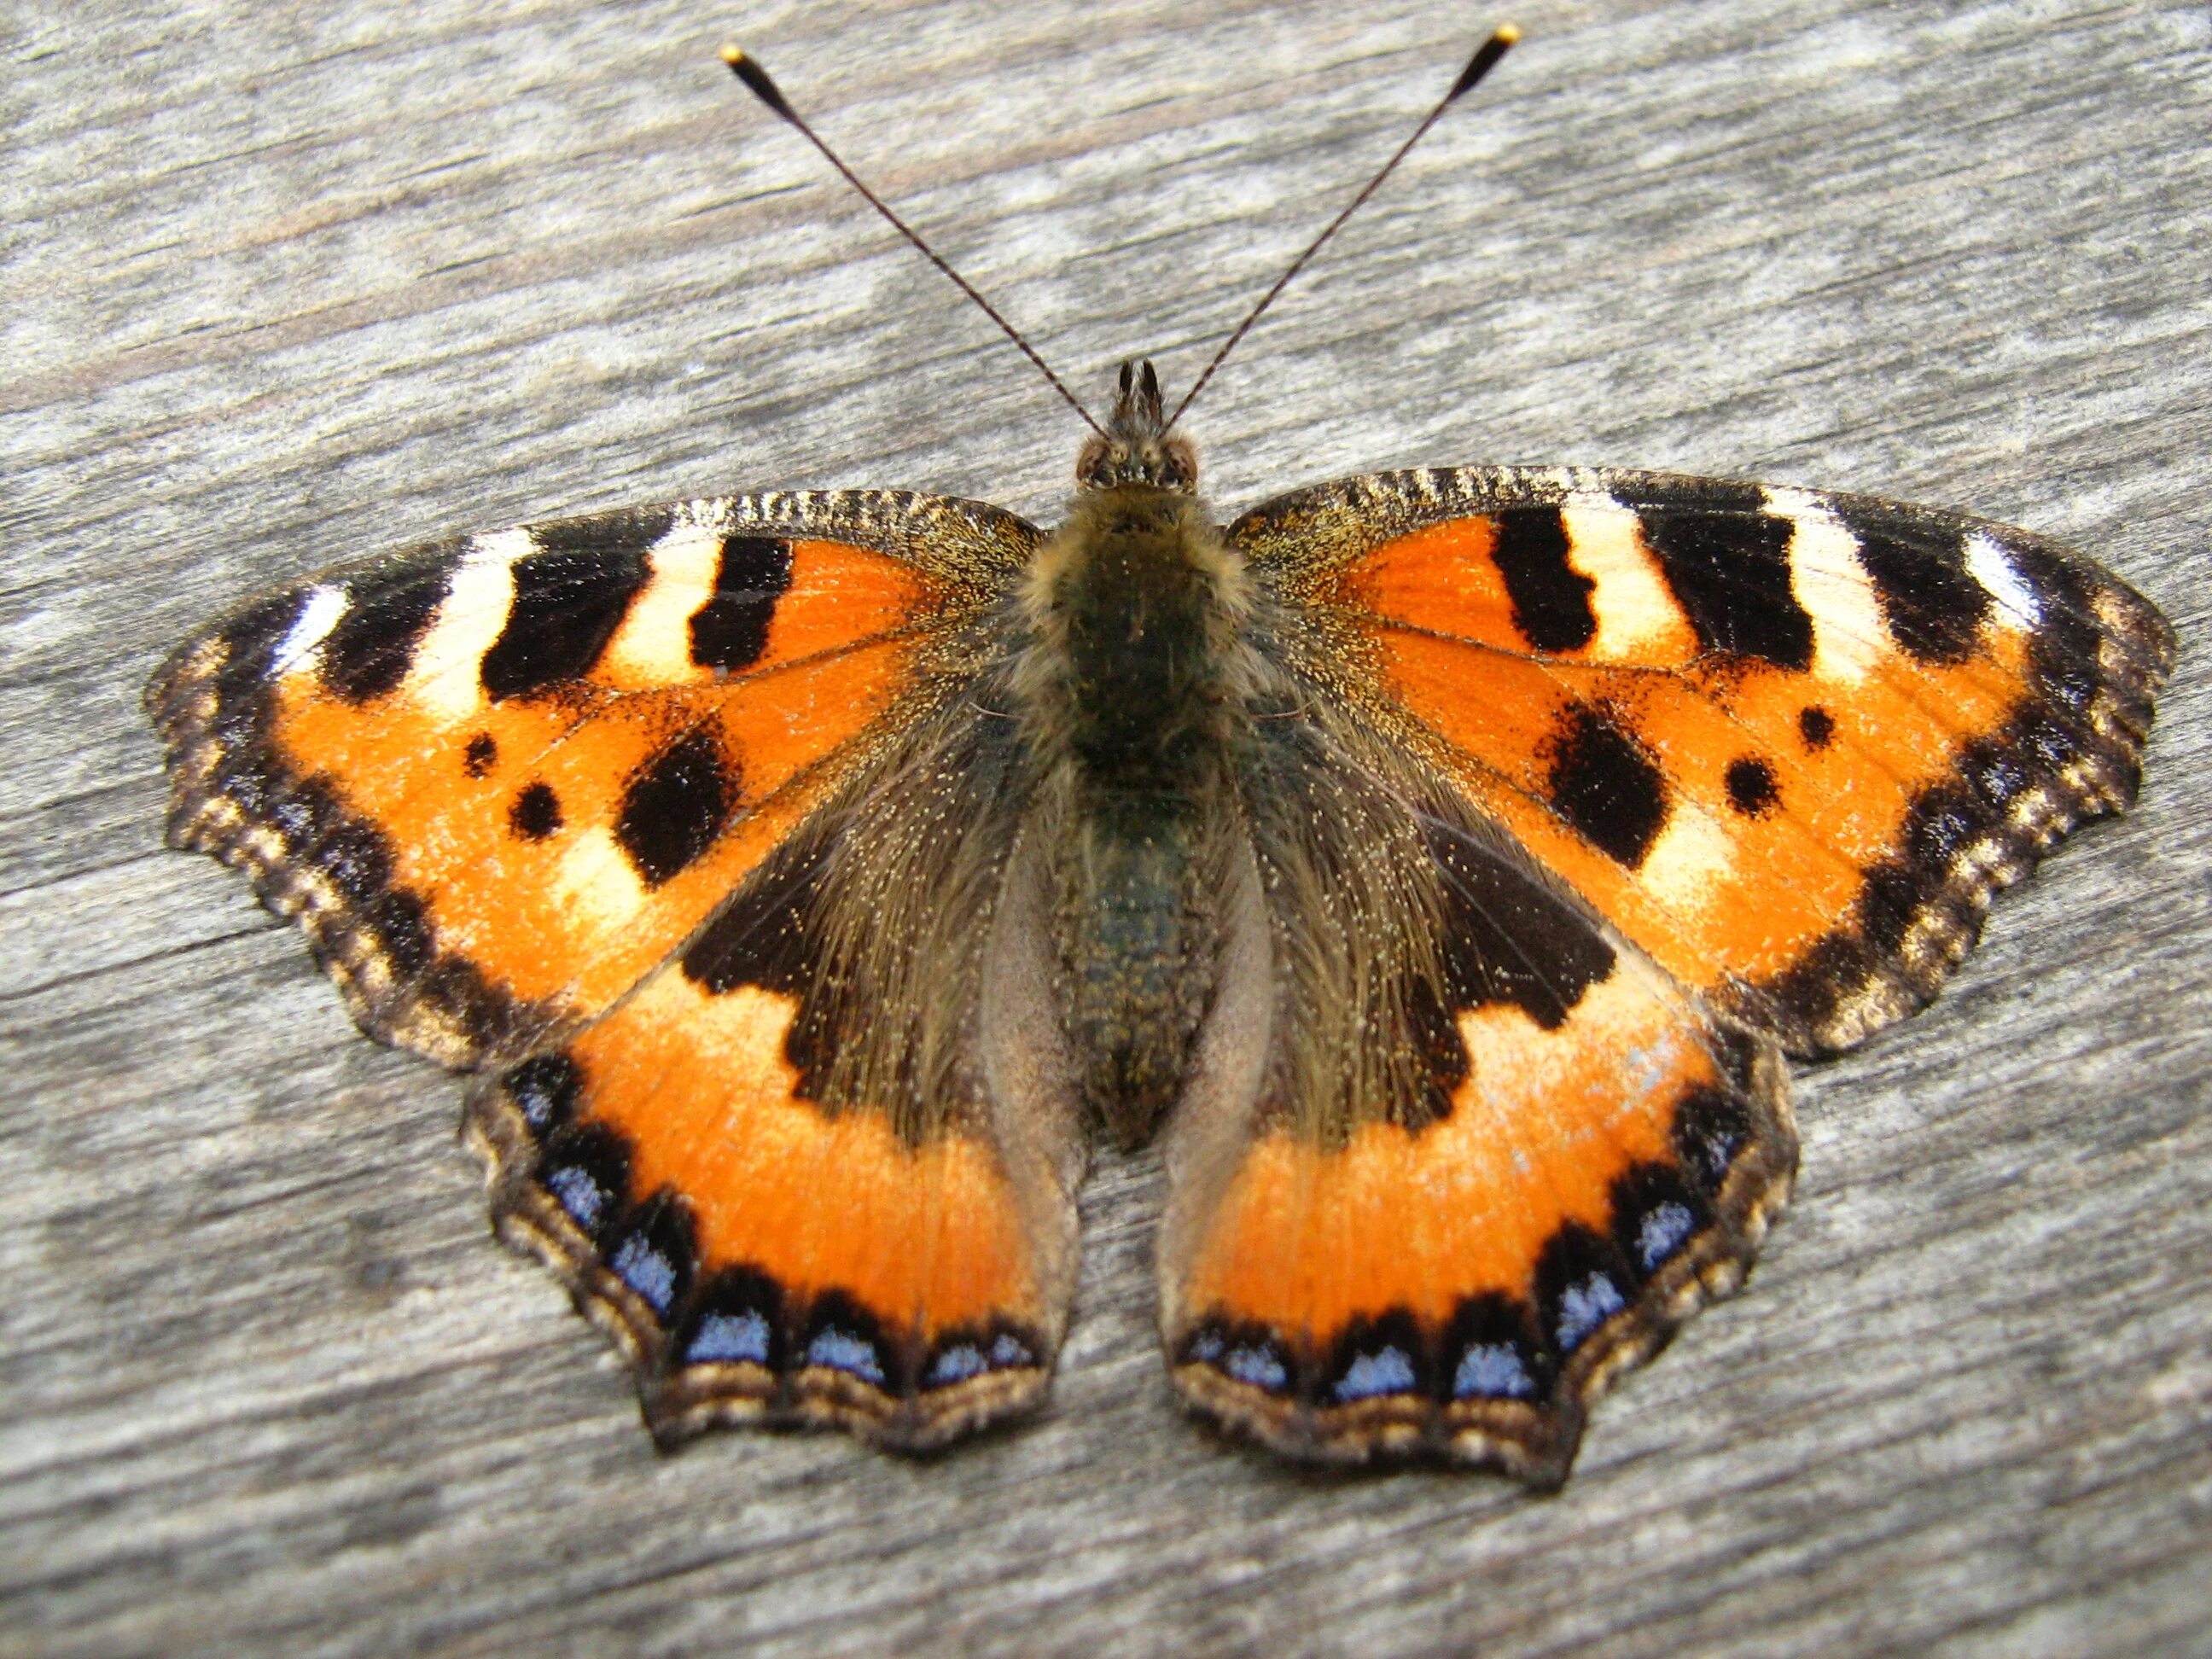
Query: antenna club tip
(748, 70)
(1501, 41)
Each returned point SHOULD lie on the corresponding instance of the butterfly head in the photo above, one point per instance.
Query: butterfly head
(1136, 448)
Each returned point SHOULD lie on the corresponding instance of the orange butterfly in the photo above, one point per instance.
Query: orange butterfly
(1446, 859)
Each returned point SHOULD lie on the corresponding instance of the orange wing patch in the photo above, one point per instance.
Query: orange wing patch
(1791, 744)
(587, 839)
(527, 793)
(499, 781)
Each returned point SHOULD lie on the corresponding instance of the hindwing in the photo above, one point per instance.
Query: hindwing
(1454, 1152)
(820, 1167)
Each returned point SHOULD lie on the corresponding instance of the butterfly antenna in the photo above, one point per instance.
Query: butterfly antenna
(757, 81)
(1485, 59)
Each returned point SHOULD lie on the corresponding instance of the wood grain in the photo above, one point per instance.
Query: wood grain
(286, 288)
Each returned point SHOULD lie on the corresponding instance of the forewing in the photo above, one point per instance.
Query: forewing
(499, 780)
(1790, 743)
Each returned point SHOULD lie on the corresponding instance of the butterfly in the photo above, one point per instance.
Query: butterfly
(1442, 865)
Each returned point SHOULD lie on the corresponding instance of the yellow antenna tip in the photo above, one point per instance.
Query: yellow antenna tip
(1507, 35)
(733, 55)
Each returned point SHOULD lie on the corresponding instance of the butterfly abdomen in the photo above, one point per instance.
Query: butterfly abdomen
(1131, 702)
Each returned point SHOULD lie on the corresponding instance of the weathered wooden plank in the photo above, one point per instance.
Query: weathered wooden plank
(283, 290)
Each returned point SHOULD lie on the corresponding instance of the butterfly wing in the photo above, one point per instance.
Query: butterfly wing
(625, 813)
(1790, 743)
(1453, 1151)
(1585, 795)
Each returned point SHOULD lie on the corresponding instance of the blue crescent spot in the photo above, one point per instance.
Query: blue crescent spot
(1720, 1147)
(646, 1270)
(1258, 1366)
(535, 1099)
(1388, 1372)
(1662, 1233)
(724, 1339)
(1584, 1306)
(1492, 1370)
(1007, 1351)
(958, 1365)
(579, 1194)
(842, 1351)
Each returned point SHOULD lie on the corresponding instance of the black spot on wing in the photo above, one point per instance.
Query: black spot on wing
(1932, 606)
(480, 755)
(1605, 788)
(1727, 561)
(367, 653)
(675, 806)
(570, 596)
(1816, 725)
(1752, 789)
(730, 631)
(1551, 598)
(536, 814)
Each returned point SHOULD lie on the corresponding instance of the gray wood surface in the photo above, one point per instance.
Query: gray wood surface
(286, 286)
